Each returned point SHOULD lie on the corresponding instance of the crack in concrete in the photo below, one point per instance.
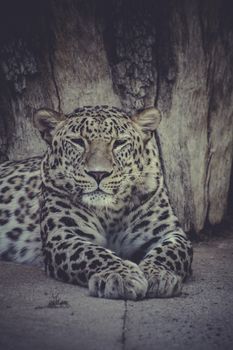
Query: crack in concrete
(123, 334)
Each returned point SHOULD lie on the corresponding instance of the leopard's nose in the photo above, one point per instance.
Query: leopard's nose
(98, 175)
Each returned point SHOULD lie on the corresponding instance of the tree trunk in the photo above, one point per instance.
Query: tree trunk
(176, 55)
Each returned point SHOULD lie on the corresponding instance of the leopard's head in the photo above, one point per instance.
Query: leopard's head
(99, 155)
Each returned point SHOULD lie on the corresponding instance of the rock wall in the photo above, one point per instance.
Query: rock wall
(176, 55)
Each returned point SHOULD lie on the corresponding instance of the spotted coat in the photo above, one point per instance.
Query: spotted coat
(94, 209)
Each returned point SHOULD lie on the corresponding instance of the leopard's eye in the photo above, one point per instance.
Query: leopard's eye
(119, 142)
(78, 141)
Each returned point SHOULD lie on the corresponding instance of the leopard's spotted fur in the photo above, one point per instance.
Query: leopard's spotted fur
(95, 208)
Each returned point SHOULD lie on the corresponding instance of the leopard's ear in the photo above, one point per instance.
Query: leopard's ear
(46, 120)
(148, 120)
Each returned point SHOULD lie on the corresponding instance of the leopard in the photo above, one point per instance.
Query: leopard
(94, 210)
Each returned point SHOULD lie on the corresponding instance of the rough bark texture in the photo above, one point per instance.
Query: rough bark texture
(176, 55)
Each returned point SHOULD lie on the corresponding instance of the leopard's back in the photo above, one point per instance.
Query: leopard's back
(20, 184)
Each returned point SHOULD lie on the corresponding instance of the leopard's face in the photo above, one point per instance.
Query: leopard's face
(98, 156)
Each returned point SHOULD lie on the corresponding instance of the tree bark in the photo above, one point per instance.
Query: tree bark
(176, 55)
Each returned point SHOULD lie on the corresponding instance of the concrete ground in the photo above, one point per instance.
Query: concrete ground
(38, 313)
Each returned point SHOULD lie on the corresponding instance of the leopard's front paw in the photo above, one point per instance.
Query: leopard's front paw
(126, 282)
(162, 283)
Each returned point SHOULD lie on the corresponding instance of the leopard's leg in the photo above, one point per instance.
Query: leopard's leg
(74, 251)
(162, 251)
(167, 263)
(72, 259)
